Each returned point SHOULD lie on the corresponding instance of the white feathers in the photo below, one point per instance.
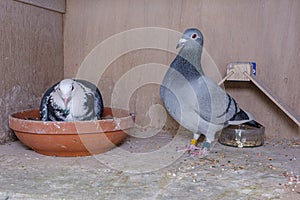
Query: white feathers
(72, 100)
(65, 89)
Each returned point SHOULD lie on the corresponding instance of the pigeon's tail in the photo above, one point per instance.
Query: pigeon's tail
(241, 117)
(253, 123)
(244, 117)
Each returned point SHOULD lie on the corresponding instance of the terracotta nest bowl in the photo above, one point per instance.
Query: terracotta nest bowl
(80, 138)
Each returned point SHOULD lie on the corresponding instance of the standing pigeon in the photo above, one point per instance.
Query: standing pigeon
(71, 100)
(194, 100)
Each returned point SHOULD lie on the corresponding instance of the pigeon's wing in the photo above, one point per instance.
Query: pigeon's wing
(198, 102)
(98, 104)
(215, 105)
(227, 109)
(187, 102)
(44, 108)
(97, 97)
(46, 103)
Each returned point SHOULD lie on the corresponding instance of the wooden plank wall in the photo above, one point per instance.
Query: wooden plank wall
(31, 57)
(54, 5)
(266, 32)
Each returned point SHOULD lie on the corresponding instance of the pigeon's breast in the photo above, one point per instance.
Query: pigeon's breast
(180, 100)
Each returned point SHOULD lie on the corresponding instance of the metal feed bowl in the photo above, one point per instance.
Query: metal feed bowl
(242, 136)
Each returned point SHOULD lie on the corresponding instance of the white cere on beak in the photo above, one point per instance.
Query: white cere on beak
(181, 42)
(66, 88)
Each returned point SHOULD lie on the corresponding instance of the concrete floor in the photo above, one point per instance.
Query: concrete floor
(151, 168)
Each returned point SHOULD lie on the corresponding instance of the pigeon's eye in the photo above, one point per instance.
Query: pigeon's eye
(72, 87)
(194, 35)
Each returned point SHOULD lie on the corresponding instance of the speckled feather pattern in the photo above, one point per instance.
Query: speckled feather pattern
(86, 103)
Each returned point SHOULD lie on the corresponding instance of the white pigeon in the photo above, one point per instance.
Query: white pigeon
(194, 100)
(71, 100)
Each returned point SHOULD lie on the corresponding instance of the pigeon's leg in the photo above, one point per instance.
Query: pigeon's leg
(207, 144)
(192, 148)
(205, 148)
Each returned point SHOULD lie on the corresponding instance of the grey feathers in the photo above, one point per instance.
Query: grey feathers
(71, 100)
(193, 99)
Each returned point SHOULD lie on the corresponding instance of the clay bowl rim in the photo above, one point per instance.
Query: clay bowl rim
(124, 122)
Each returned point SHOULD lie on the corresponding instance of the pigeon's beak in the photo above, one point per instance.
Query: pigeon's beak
(66, 101)
(181, 43)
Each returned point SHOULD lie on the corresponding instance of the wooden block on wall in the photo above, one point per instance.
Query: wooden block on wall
(238, 69)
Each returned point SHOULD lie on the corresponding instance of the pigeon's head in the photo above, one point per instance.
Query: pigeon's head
(192, 38)
(65, 90)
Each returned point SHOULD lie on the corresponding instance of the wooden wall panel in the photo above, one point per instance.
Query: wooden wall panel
(266, 32)
(31, 57)
(54, 5)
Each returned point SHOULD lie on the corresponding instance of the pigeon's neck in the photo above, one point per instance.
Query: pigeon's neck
(193, 57)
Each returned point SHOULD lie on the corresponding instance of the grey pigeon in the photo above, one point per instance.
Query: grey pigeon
(194, 100)
(71, 100)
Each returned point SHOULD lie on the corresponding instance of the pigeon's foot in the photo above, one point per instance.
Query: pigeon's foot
(193, 150)
(205, 148)
(204, 152)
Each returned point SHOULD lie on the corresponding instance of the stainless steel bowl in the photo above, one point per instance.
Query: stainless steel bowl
(243, 136)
